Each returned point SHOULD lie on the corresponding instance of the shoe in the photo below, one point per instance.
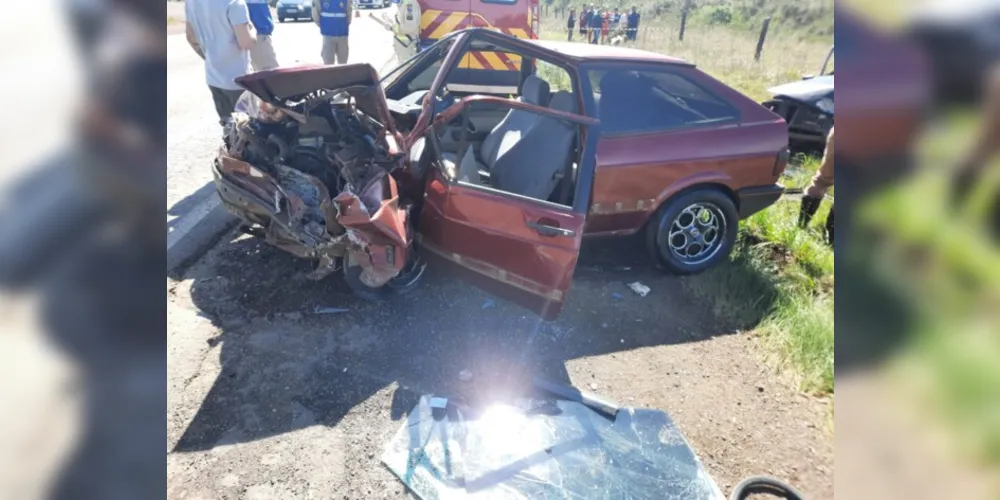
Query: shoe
(808, 209)
(829, 227)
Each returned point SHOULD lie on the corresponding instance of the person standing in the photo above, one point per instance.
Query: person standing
(220, 32)
(584, 21)
(817, 189)
(570, 25)
(262, 55)
(595, 25)
(334, 20)
(632, 24)
(406, 30)
(605, 26)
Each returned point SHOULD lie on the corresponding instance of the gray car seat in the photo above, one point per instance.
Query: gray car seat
(533, 91)
(533, 164)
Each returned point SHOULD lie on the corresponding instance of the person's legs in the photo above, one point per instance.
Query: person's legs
(262, 55)
(329, 50)
(225, 102)
(821, 182)
(342, 49)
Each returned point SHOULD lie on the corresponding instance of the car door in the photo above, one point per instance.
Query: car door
(521, 249)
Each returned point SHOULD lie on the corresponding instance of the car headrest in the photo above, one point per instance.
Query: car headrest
(535, 91)
(563, 101)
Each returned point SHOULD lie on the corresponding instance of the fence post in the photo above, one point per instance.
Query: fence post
(684, 20)
(763, 36)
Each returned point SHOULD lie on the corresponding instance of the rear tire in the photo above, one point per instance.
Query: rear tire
(281, 19)
(407, 280)
(693, 231)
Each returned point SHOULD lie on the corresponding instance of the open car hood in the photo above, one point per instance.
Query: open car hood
(360, 80)
(808, 91)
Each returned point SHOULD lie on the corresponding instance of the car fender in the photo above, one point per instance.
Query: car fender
(712, 180)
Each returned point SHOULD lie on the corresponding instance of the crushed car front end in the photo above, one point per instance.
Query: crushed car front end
(807, 107)
(307, 164)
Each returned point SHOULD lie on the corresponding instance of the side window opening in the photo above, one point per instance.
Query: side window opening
(647, 101)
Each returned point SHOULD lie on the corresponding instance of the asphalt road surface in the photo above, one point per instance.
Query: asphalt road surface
(193, 132)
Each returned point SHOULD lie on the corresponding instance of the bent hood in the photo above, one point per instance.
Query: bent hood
(360, 80)
(809, 91)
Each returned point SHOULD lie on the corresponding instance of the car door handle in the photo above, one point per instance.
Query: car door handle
(546, 230)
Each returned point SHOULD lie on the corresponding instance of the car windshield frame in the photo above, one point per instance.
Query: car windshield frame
(437, 49)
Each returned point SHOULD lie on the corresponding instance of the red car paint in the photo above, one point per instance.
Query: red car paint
(526, 250)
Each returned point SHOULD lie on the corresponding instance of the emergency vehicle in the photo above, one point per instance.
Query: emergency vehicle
(428, 20)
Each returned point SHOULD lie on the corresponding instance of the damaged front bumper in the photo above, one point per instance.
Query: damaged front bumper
(368, 229)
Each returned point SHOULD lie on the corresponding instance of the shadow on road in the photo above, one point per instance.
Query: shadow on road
(285, 367)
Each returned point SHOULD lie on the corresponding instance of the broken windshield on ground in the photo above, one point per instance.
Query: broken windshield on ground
(544, 448)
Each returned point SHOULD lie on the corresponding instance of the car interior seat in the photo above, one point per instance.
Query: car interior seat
(505, 135)
(535, 164)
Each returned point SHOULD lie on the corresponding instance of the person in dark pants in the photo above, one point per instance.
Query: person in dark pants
(596, 21)
(584, 22)
(633, 24)
(821, 183)
(220, 32)
(570, 24)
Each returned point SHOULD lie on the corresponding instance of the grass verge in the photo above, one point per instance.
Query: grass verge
(779, 281)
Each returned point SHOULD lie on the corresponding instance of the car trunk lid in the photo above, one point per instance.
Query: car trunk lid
(360, 80)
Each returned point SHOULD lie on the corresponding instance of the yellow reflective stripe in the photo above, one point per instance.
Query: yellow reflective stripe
(494, 60)
(448, 25)
(517, 32)
(428, 17)
(470, 62)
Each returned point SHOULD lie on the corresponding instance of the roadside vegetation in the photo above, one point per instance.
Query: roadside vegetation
(780, 280)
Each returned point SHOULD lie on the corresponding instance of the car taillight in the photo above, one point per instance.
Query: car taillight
(780, 163)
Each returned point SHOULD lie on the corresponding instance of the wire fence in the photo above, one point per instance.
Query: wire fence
(658, 33)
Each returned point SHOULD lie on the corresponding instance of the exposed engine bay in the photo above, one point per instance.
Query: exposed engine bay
(311, 175)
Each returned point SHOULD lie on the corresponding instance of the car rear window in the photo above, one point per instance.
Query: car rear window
(654, 100)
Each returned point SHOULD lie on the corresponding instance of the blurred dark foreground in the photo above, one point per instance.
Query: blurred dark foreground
(82, 238)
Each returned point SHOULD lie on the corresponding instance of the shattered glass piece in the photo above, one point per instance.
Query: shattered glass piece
(538, 448)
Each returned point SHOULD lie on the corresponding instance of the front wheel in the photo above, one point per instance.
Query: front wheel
(281, 19)
(693, 232)
(406, 280)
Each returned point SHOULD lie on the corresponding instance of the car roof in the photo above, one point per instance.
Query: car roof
(587, 51)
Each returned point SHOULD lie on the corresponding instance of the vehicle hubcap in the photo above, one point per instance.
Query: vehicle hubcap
(696, 234)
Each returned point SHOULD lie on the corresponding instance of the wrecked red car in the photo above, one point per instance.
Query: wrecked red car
(499, 183)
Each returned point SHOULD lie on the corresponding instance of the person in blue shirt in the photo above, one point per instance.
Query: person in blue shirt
(633, 25)
(596, 21)
(334, 20)
(262, 54)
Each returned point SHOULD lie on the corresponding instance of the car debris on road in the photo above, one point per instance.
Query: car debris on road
(640, 289)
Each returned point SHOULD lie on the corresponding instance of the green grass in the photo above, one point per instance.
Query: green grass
(726, 52)
(936, 256)
(779, 281)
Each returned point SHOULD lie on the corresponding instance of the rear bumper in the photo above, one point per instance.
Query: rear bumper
(757, 198)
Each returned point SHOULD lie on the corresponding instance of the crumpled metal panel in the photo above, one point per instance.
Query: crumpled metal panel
(370, 227)
(531, 449)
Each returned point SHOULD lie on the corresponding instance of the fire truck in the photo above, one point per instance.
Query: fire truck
(437, 18)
